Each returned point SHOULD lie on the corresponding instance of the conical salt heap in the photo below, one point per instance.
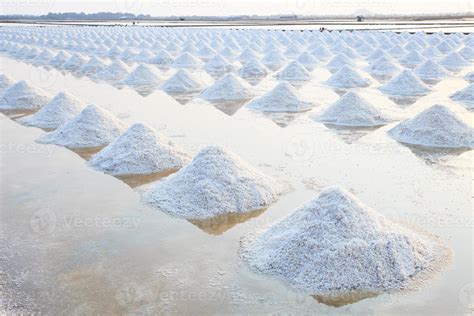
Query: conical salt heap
(23, 96)
(436, 126)
(163, 58)
(282, 98)
(338, 61)
(470, 76)
(186, 60)
(93, 127)
(335, 245)
(60, 110)
(182, 81)
(216, 182)
(218, 64)
(5, 82)
(382, 67)
(412, 59)
(430, 70)
(143, 75)
(93, 66)
(352, 110)
(116, 71)
(405, 83)
(454, 62)
(467, 53)
(274, 60)
(253, 69)
(227, 88)
(75, 62)
(60, 59)
(139, 150)
(293, 72)
(307, 60)
(346, 78)
(465, 96)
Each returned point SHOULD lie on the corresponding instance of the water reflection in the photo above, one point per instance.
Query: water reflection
(282, 119)
(137, 180)
(351, 134)
(182, 97)
(403, 100)
(343, 299)
(435, 155)
(219, 224)
(86, 153)
(229, 107)
(17, 114)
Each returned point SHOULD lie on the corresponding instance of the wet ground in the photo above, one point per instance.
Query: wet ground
(75, 241)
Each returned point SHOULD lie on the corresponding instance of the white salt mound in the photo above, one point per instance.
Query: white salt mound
(470, 76)
(216, 182)
(335, 244)
(5, 82)
(382, 67)
(346, 78)
(436, 126)
(61, 109)
(227, 88)
(182, 81)
(114, 72)
(139, 150)
(465, 96)
(143, 75)
(93, 127)
(430, 70)
(352, 110)
(294, 72)
(253, 69)
(282, 98)
(405, 83)
(23, 96)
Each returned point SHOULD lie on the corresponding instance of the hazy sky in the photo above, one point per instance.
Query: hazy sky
(234, 7)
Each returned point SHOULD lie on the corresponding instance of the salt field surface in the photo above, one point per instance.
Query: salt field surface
(218, 135)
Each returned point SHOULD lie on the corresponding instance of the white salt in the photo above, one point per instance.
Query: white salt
(294, 72)
(116, 71)
(227, 88)
(23, 96)
(253, 69)
(347, 77)
(405, 83)
(182, 81)
(143, 75)
(465, 96)
(5, 82)
(282, 98)
(430, 70)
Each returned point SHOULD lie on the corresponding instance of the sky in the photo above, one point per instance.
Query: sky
(235, 7)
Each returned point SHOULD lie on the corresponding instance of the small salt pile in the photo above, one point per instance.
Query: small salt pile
(75, 62)
(335, 245)
(352, 110)
(405, 83)
(182, 81)
(23, 96)
(470, 76)
(382, 67)
(454, 62)
(139, 150)
(216, 182)
(218, 65)
(93, 66)
(5, 82)
(437, 126)
(465, 96)
(282, 98)
(467, 53)
(116, 71)
(93, 127)
(61, 109)
(430, 70)
(274, 60)
(307, 60)
(143, 75)
(163, 58)
(412, 59)
(227, 88)
(60, 59)
(253, 69)
(346, 78)
(186, 60)
(339, 61)
(294, 72)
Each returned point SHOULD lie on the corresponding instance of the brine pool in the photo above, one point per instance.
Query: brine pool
(75, 241)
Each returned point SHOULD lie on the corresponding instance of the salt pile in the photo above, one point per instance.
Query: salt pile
(23, 96)
(182, 81)
(186, 60)
(5, 82)
(467, 53)
(60, 59)
(93, 66)
(454, 62)
(140, 150)
(339, 61)
(143, 75)
(405, 83)
(294, 72)
(352, 110)
(162, 58)
(346, 78)
(218, 64)
(61, 109)
(253, 69)
(93, 127)
(335, 244)
(282, 98)
(216, 182)
(274, 60)
(227, 88)
(116, 71)
(470, 76)
(430, 70)
(465, 96)
(382, 67)
(75, 62)
(412, 59)
(436, 126)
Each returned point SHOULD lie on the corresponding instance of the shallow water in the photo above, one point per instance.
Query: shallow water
(77, 241)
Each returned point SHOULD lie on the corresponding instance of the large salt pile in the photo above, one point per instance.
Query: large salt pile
(430, 70)
(465, 96)
(216, 182)
(140, 150)
(294, 72)
(405, 83)
(352, 110)
(437, 126)
(454, 62)
(143, 75)
(61, 109)
(5, 82)
(346, 78)
(227, 88)
(116, 71)
(335, 245)
(23, 96)
(93, 127)
(282, 98)
(182, 81)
